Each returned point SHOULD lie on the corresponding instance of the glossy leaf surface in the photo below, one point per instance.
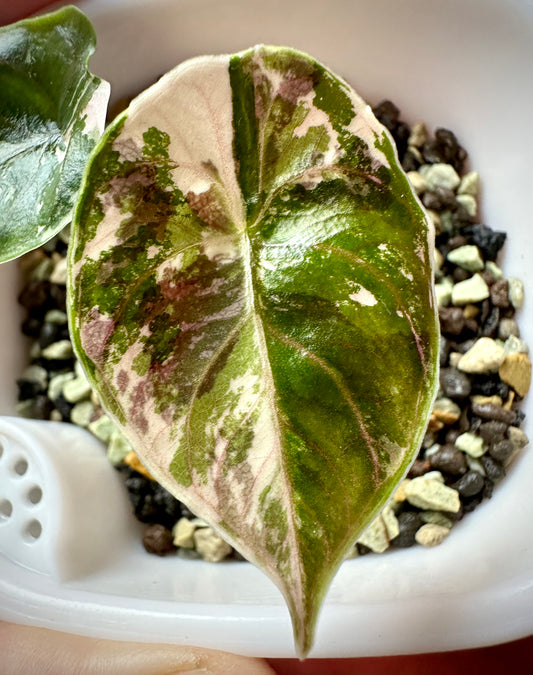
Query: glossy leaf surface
(52, 112)
(251, 295)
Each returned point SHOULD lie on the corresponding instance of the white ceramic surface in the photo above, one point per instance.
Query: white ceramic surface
(462, 65)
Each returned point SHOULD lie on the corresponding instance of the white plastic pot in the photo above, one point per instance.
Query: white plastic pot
(461, 65)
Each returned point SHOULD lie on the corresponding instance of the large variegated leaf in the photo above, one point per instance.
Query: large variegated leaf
(52, 112)
(251, 295)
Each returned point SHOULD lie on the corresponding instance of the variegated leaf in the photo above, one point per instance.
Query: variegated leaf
(52, 113)
(251, 295)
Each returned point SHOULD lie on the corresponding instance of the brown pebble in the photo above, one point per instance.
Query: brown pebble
(452, 320)
(418, 468)
(516, 372)
(489, 411)
(499, 293)
(158, 539)
(488, 277)
(492, 432)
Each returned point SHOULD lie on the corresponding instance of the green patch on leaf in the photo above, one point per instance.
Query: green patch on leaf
(251, 294)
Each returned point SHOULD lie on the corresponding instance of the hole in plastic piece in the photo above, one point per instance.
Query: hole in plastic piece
(21, 466)
(1, 449)
(33, 530)
(6, 509)
(35, 494)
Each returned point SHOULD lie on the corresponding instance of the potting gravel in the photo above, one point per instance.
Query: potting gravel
(474, 430)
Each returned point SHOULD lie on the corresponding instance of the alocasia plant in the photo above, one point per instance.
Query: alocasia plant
(52, 112)
(251, 295)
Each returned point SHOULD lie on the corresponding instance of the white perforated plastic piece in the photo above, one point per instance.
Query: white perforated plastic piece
(62, 508)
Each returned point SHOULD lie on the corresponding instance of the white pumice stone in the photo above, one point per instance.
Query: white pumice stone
(516, 292)
(81, 413)
(183, 532)
(56, 384)
(62, 349)
(514, 345)
(118, 447)
(431, 534)
(210, 546)
(418, 182)
(496, 272)
(469, 184)
(470, 444)
(76, 390)
(468, 257)
(418, 135)
(430, 494)
(59, 273)
(443, 292)
(440, 175)
(474, 289)
(485, 356)
(469, 204)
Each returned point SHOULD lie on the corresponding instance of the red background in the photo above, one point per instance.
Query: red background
(512, 657)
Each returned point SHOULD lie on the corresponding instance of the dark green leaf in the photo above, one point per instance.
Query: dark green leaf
(52, 112)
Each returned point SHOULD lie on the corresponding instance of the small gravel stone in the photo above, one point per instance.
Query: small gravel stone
(118, 447)
(473, 289)
(469, 204)
(103, 429)
(58, 351)
(516, 292)
(157, 539)
(499, 293)
(493, 269)
(418, 135)
(443, 292)
(507, 328)
(488, 411)
(469, 184)
(56, 384)
(448, 459)
(470, 484)
(517, 437)
(183, 533)
(454, 383)
(514, 345)
(76, 390)
(418, 183)
(56, 316)
(399, 495)
(36, 374)
(494, 399)
(516, 372)
(81, 413)
(493, 468)
(376, 536)
(468, 257)
(485, 356)
(431, 534)
(502, 450)
(432, 494)
(436, 518)
(471, 444)
(210, 546)
(440, 175)
(492, 432)
(446, 411)
(409, 522)
(452, 320)
(59, 273)
(487, 240)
